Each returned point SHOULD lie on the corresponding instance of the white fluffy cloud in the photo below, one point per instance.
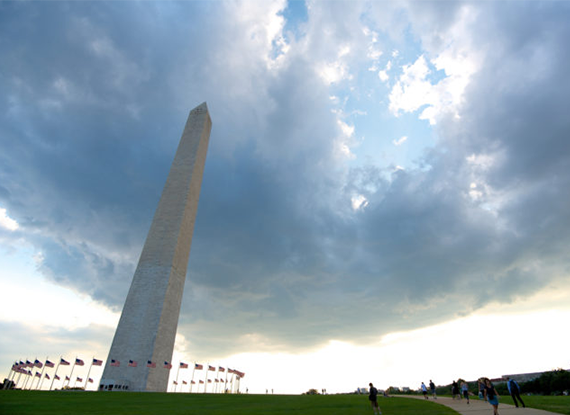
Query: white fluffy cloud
(7, 222)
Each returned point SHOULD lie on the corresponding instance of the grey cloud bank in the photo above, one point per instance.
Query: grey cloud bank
(95, 101)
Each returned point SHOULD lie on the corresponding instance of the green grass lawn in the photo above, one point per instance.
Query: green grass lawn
(558, 404)
(62, 403)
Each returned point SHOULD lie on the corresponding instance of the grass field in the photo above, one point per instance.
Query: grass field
(62, 403)
(558, 404)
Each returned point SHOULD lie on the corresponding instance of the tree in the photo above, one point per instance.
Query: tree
(549, 383)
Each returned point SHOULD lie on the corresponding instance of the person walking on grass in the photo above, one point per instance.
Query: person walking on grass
(432, 389)
(373, 398)
(515, 390)
(424, 390)
(491, 396)
(465, 390)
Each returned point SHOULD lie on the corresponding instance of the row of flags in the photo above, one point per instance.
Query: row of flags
(55, 377)
(23, 368)
(168, 365)
(132, 363)
(201, 382)
(27, 364)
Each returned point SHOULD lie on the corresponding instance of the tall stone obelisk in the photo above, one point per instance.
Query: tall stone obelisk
(147, 327)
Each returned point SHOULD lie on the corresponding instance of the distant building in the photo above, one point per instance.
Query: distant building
(521, 377)
(525, 377)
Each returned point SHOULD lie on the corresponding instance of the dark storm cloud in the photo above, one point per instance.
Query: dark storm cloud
(96, 100)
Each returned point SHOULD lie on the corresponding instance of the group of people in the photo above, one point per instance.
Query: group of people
(486, 388)
(431, 388)
(488, 392)
(456, 393)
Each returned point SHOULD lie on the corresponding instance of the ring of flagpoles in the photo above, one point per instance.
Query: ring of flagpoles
(23, 377)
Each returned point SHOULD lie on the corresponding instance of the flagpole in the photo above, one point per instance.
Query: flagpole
(32, 382)
(41, 375)
(19, 375)
(217, 374)
(226, 381)
(11, 372)
(191, 380)
(206, 381)
(71, 374)
(33, 376)
(177, 373)
(30, 375)
(55, 374)
(88, 372)
(26, 382)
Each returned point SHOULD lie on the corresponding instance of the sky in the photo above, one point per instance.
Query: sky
(385, 197)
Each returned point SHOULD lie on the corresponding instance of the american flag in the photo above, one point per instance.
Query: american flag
(150, 364)
(90, 380)
(79, 362)
(216, 380)
(198, 366)
(29, 364)
(192, 382)
(67, 378)
(209, 380)
(79, 379)
(132, 363)
(56, 377)
(115, 363)
(183, 365)
(176, 383)
(202, 382)
(47, 376)
(221, 369)
(38, 375)
(37, 363)
(184, 382)
(49, 364)
(240, 374)
(211, 368)
(63, 362)
(97, 362)
(167, 365)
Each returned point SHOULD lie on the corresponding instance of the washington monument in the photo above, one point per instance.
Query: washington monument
(145, 334)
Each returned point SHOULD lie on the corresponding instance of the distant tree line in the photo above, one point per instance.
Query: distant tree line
(549, 383)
